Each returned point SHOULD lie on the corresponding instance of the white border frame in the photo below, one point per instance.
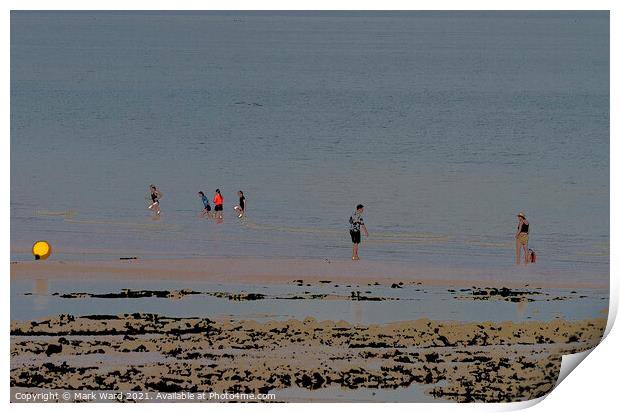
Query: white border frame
(592, 385)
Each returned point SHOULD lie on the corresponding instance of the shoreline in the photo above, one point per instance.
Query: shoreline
(243, 270)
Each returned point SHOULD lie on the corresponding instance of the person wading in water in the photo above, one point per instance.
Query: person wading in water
(522, 236)
(357, 223)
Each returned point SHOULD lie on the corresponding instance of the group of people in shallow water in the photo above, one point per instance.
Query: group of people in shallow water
(218, 201)
(356, 221)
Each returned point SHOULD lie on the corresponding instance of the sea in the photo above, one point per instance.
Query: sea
(444, 125)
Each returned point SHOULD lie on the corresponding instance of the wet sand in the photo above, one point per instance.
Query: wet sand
(282, 270)
(485, 361)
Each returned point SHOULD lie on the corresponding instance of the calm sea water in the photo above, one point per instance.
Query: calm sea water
(445, 125)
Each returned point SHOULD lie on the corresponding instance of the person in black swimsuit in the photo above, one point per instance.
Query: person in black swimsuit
(155, 197)
(242, 205)
(522, 236)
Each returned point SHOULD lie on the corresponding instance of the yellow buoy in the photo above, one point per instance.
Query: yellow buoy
(41, 250)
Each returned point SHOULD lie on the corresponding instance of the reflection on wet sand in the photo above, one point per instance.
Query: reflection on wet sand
(324, 300)
(521, 306)
(40, 289)
(358, 311)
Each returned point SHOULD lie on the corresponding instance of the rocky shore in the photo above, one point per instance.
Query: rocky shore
(458, 361)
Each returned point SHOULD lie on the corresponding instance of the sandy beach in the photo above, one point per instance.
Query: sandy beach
(283, 270)
(246, 325)
(145, 352)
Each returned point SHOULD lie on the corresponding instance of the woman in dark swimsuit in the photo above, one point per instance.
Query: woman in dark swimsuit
(522, 236)
(242, 205)
(155, 197)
